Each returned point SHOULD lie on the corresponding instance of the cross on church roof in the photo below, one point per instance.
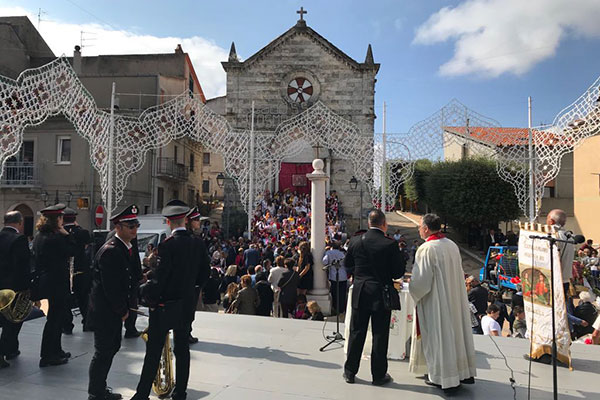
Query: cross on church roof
(301, 12)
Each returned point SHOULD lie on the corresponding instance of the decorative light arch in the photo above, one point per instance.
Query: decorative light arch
(55, 88)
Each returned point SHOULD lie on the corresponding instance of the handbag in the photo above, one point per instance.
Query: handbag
(390, 296)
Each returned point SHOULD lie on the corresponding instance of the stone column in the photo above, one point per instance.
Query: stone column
(319, 292)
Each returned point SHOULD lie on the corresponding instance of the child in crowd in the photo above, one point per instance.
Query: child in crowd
(315, 311)
(489, 325)
(301, 312)
(519, 326)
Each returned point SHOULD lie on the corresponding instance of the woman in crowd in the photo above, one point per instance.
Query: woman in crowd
(247, 299)
(305, 264)
(230, 295)
(52, 248)
(265, 294)
(229, 278)
(288, 285)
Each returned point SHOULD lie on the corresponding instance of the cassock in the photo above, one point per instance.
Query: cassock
(438, 289)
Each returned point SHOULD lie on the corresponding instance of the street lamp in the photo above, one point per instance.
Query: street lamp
(221, 180)
(68, 196)
(353, 184)
(44, 196)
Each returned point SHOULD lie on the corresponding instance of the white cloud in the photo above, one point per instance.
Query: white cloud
(206, 56)
(493, 37)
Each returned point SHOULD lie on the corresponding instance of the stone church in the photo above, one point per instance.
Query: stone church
(287, 77)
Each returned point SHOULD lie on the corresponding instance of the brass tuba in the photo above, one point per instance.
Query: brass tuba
(15, 306)
(163, 383)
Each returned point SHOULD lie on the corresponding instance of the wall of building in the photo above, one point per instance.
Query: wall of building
(75, 177)
(346, 90)
(586, 193)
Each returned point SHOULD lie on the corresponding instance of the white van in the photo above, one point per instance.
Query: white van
(153, 229)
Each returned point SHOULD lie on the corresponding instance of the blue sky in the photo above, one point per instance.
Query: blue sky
(489, 54)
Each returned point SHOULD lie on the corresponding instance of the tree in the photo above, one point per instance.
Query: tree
(414, 187)
(470, 191)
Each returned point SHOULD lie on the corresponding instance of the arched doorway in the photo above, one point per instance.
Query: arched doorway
(28, 217)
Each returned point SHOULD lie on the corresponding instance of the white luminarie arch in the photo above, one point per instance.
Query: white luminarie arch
(54, 88)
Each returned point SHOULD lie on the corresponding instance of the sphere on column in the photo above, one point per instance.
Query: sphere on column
(318, 164)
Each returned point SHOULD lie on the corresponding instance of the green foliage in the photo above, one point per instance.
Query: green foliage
(414, 188)
(470, 191)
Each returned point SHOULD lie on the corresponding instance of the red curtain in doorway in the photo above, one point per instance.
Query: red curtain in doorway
(292, 176)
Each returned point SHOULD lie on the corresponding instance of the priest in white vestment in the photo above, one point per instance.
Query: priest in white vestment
(442, 338)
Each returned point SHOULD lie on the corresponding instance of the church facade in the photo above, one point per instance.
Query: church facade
(287, 77)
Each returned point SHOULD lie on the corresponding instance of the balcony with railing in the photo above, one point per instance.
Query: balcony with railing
(20, 174)
(168, 168)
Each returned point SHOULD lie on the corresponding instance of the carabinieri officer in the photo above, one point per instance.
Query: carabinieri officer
(172, 300)
(111, 288)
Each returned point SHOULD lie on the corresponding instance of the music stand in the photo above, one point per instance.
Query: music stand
(337, 336)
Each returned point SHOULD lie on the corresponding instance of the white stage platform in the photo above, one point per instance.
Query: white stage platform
(241, 357)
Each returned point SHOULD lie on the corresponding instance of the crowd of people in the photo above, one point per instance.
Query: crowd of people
(268, 274)
(284, 215)
(578, 267)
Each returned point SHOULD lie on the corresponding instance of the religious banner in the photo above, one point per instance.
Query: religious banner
(299, 180)
(539, 292)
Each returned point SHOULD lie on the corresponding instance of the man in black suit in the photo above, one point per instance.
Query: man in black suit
(171, 296)
(81, 269)
(15, 274)
(111, 288)
(193, 226)
(371, 258)
(136, 276)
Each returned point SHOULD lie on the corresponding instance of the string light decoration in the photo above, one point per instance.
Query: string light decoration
(55, 88)
(426, 139)
(509, 147)
(572, 125)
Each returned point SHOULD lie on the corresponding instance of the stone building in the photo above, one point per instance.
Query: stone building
(54, 165)
(287, 77)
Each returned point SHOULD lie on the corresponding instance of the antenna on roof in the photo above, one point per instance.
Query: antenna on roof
(83, 39)
(40, 13)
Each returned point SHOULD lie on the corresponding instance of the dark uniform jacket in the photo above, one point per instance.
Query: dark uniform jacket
(52, 252)
(15, 260)
(374, 251)
(135, 266)
(183, 264)
(288, 285)
(111, 281)
(81, 238)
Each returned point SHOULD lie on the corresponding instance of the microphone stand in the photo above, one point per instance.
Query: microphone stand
(337, 336)
(552, 240)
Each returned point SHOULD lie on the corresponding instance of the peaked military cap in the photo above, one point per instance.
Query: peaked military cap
(194, 213)
(70, 215)
(129, 213)
(175, 209)
(70, 212)
(57, 209)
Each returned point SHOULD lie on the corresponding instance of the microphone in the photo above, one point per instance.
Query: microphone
(572, 239)
(578, 239)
